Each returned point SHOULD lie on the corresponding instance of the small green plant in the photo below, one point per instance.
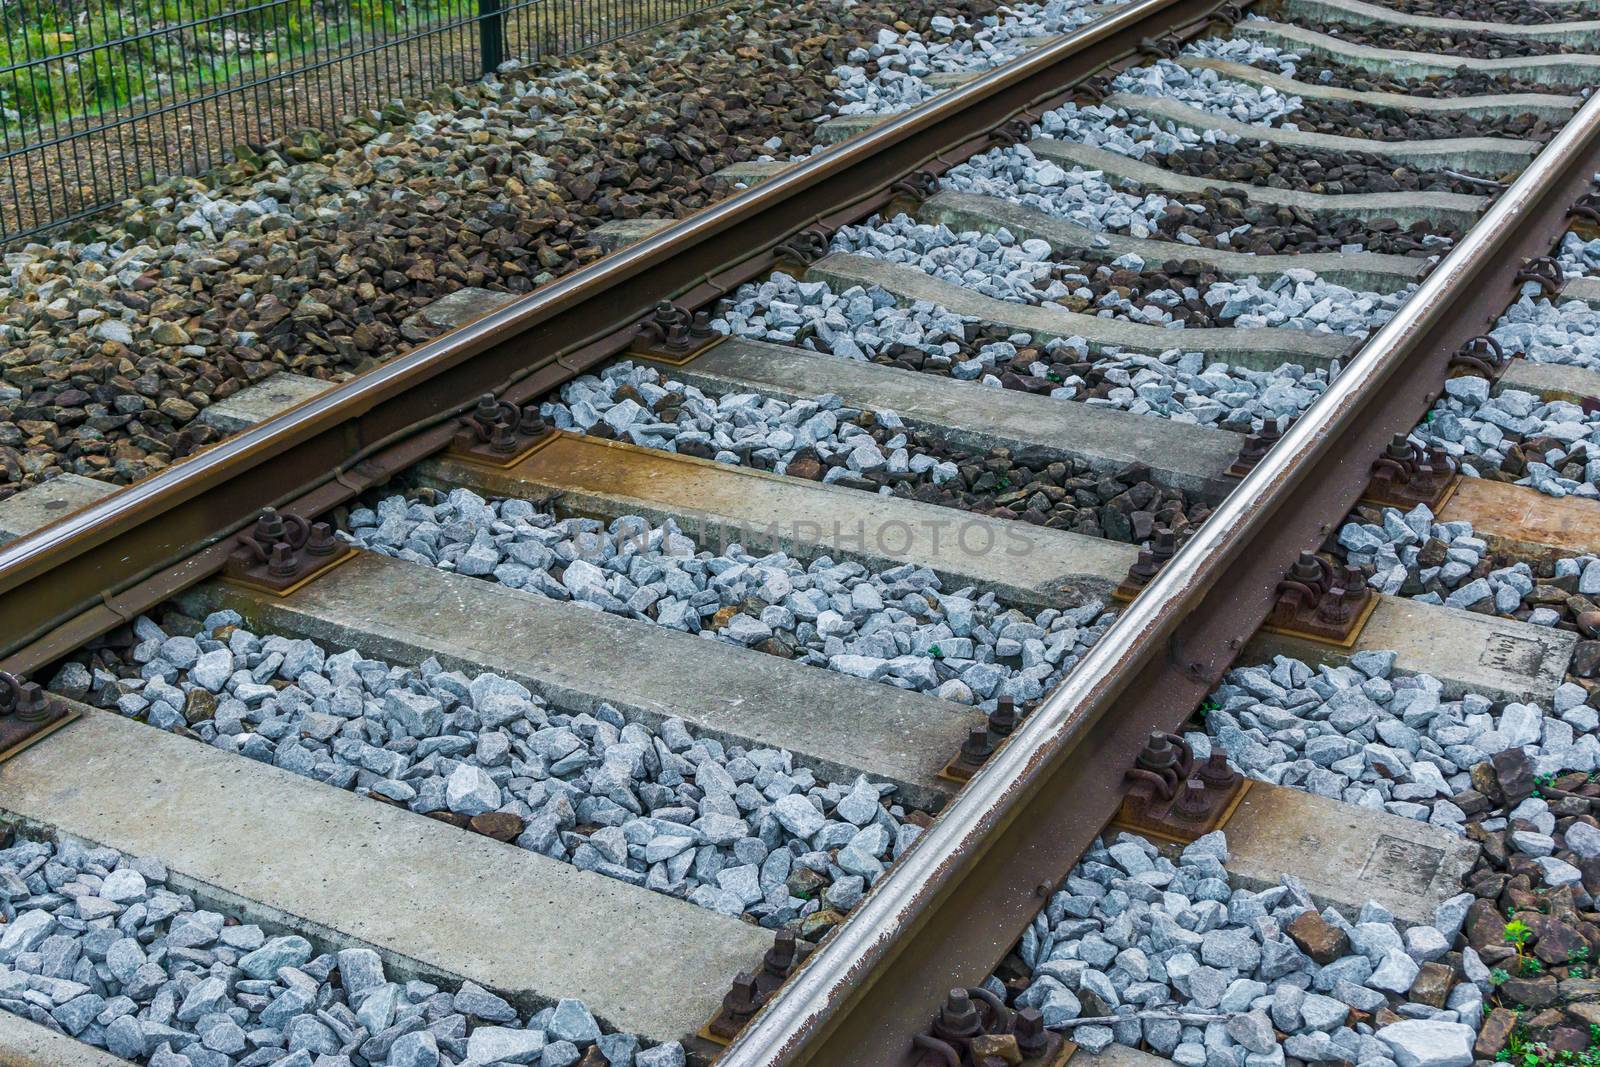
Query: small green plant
(1526, 1053)
(1578, 955)
(936, 652)
(1499, 976)
(1531, 967)
(1518, 935)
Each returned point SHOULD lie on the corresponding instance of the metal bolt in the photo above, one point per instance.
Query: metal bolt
(487, 413)
(1401, 448)
(958, 1017)
(1192, 802)
(532, 423)
(1159, 753)
(32, 704)
(269, 527)
(742, 1000)
(321, 541)
(1165, 544)
(1003, 719)
(977, 747)
(1307, 569)
(1216, 773)
(1030, 1033)
(503, 439)
(283, 562)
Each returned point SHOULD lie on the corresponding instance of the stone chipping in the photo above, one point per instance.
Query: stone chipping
(822, 439)
(897, 626)
(97, 945)
(1205, 974)
(1367, 735)
(739, 830)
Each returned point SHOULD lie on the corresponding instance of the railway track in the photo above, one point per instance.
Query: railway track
(879, 619)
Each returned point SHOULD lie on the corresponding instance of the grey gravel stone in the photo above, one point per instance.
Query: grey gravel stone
(173, 990)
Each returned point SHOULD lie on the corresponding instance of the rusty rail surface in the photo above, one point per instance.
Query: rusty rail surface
(955, 903)
(92, 570)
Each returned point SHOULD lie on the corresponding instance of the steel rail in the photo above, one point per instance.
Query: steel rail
(93, 569)
(957, 900)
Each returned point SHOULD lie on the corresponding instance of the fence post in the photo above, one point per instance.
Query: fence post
(491, 40)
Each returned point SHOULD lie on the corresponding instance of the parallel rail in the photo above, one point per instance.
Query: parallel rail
(93, 570)
(955, 903)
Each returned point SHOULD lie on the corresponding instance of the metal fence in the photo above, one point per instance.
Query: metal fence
(99, 98)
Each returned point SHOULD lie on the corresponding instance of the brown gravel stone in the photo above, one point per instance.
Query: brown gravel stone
(1318, 939)
(500, 825)
(110, 356)
(1495, 1033)
(1432, 985)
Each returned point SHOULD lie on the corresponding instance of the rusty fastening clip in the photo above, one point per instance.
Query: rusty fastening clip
(1322, 601)
(1545, 272)
(1228, 15)
(1016, 130)
(28, 713)
(974, 1028)
(281, 552)
(1256, 445)
(1158, 47)
(1172, 798)
(982, 741)
(1407, 474)
(750, 991)
(497, 431)
(1163, 546)
(804, 248)
(23, 701)
(1095, 88)
(1587, 207)
(1482, 356)
(908, 193)
(670, 334)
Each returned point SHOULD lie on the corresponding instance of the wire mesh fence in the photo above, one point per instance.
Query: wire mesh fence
(99, 98)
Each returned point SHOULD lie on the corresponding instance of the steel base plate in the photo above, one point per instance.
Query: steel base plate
(466, 455)
(16, 735)
(1348, 641)
(643, 350)
(1440, 499)
(1166, 831)
(261, 587)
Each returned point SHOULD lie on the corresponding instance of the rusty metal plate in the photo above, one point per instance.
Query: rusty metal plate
(244, 581)
(17, 735)
(1163, 830)
(467, 455)
(641, 348)
(1348, 640)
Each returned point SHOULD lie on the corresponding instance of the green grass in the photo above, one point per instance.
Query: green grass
(109, 54)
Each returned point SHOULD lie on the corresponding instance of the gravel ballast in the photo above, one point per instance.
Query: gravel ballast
(898, 626)
(313, 260)
(1205, 974)
(98, 947)
(740, 831)
(1368, 736)
(1410, 554)
(866, 324)
(821, 439)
